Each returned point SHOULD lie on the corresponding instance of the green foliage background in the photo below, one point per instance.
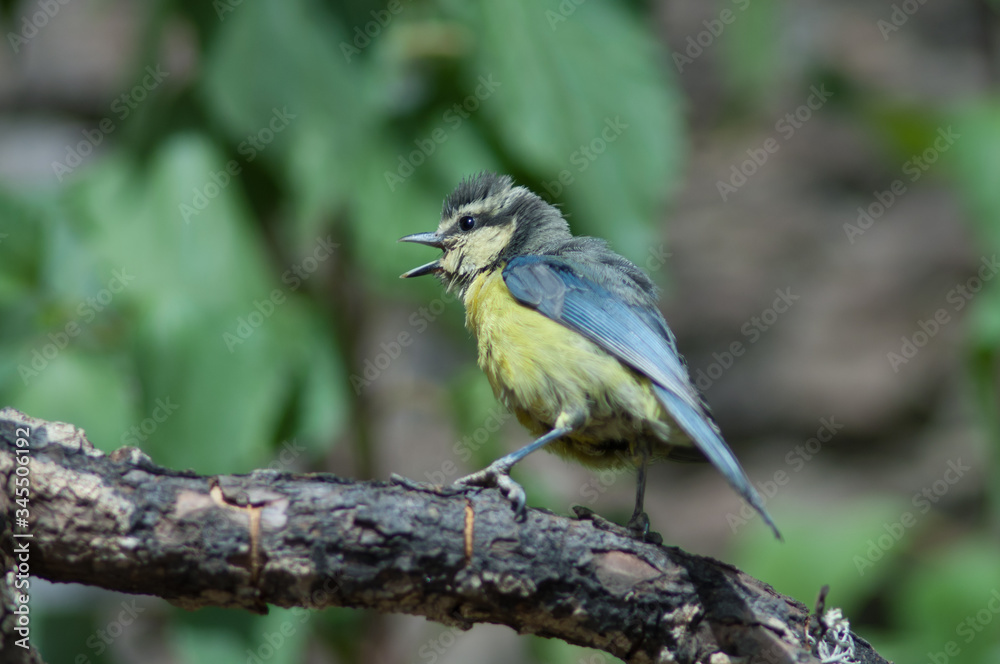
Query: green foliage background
(513, 86)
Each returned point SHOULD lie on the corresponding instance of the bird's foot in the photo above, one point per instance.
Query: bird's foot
(585, 513)
(406, 482)
(638, 526)
(497, 476)
(410, 484)
(639, 530)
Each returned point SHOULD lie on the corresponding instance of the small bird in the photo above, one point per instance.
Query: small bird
(571, 341)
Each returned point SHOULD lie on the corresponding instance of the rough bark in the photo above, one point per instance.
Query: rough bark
(120, 522)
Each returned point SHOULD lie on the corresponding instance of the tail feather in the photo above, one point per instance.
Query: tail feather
(708, 440)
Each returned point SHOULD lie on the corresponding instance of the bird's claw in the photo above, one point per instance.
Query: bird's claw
(586, 514)
(638, 526)
(428, 487)
(408, 483)
(497, 477)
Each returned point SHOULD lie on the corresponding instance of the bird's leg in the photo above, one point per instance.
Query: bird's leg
(497, 474)
(639, 522)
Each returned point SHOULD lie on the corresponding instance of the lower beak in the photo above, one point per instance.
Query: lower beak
(431, 240)
(429, 268)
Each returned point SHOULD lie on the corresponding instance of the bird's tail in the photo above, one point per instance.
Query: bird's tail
(710, 443)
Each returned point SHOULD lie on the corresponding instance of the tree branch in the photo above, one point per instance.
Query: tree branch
(120, 522)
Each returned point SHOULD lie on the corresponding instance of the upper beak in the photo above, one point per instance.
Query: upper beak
(431, 240)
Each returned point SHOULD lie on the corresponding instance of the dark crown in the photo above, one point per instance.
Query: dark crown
(480, 187)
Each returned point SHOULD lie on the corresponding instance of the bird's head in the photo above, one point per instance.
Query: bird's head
(485, 222)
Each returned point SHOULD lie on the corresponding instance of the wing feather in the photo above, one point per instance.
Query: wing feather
(563, 291)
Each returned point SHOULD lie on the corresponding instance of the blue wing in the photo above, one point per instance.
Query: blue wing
(638, 336)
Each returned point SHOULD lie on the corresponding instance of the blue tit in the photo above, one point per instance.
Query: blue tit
(572, 342)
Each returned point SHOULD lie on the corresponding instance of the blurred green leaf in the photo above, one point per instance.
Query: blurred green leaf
(951, 596)
(749, 48)
(479, 418)
(383, 215)
(975, 160)
(213, 635)
(24, 231)
(907, 129)
(322, 408)
(552, 651)
(851, 555)
(296, 67)
(219, 340)
(66, 635)
(23, 227)
(91, 391)
(604, 118)
(208, 646)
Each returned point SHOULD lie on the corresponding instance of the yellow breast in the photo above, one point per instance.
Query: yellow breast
(539, 369)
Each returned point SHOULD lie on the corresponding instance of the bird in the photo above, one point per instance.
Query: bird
(570, 337)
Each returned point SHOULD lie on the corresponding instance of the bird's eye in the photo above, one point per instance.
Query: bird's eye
(467, 223)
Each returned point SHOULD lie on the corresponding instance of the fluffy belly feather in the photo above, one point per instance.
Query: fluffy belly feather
(540, 369)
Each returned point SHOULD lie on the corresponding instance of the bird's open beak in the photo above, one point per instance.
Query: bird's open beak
(429, 268)
(431, 240)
